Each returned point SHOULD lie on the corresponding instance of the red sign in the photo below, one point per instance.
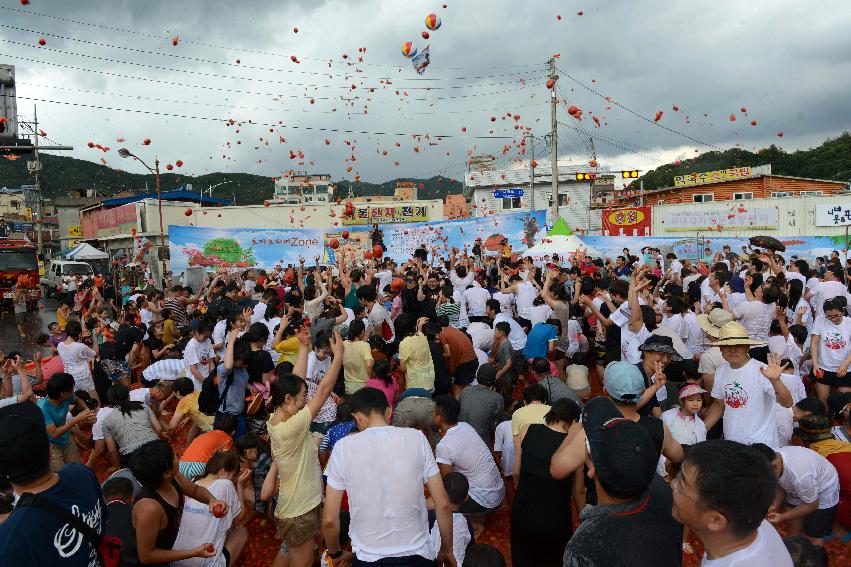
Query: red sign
(633, 221)
(110, 222)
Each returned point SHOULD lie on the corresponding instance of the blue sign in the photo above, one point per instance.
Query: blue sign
(508, 193)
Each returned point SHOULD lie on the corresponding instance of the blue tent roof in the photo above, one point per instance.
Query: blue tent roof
(179, 194)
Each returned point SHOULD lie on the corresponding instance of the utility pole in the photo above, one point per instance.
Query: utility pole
(36, 167)
(554, 139)
(532, 174)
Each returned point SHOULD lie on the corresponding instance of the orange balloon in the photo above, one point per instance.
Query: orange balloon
(334, 243)
(377, 251)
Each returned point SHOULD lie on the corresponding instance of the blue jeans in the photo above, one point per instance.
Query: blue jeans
(408, 561)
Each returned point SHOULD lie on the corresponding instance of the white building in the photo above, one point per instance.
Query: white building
(299, 187)
(508, 191)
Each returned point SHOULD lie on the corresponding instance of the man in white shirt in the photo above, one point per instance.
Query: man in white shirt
(476, 297)
(745, 391)
(516, 337)
(462, 450)
(811, 485)
(832, 286)
(376, 313)
(676, 266)
(383, 470)
(723, 493)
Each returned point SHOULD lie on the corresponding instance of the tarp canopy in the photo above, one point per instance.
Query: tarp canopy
(564, 246)
(560, 228)
(84, 252)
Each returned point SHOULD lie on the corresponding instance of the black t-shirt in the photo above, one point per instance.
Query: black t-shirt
(127, 336)
(642, 533)
(120, 522)
(112, 350)
(410, 304)
(258, 363)
(613, 332)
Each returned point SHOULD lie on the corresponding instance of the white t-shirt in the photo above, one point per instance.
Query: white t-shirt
(75, 358)
(248, 286)
(464, 449)
(685, 429)
(141, 395)
(767, 550)
(316, 370)
(736, 298)
(795, 276)
(807, 477)
(688, 280)
(481, 334)
(777, 344)
(694, 333)
(384, 279)
(167, 369)
(793, 353)
(795, 385)
(516, 336)
(827, 290)
(835, 343)
(676, 323)
(630, 341)
(676, 267)
(526, 294)
(806, 318)
(476, 297)
(506, 301)
(271, 324)
(539, 313)
(197, 353)
(377, 316)
(258, 313)
(459, 283)
(198, 525)
(386, 503)
(749, 400)
(756, 317)
(461, 538)
(504, 443)
(219, 333)
(710, 361)
(97, 428)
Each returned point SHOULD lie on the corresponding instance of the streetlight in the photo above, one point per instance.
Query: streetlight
(125, 153)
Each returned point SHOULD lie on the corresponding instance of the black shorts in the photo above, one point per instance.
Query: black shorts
(472, 508)
(819, 524)
(600, 355)
(465, 373)
(226, 555)
(831, 379)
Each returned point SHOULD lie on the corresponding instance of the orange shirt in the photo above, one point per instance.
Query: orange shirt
(205, 445)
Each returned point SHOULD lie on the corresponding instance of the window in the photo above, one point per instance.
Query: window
(703, 197)
(781, 194)
(563, 200)
(811, 193)
(511, 203)
(742, 196)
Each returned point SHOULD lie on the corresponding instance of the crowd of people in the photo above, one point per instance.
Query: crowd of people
(622, 410)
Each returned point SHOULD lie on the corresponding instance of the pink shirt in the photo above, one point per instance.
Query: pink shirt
(389, 391)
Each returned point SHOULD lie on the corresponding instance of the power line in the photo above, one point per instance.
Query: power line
(235, 65)
(202, 44)
(636, 114)
(274, 125)
(240, 91)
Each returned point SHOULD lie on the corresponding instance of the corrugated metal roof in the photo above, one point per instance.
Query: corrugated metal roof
(521, 176)
(179, 194)
(758, 176)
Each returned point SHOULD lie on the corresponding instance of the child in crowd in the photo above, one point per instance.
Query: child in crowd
(196, 455)
(187, 409)
(385, 381)
(118, 494)
(55, 408)
(457, 487)
(256, 456)
(198, 355)
(503, 448)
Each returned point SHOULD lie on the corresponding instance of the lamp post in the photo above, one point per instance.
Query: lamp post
(125, 153)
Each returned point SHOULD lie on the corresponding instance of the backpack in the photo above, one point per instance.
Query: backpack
(209, 399)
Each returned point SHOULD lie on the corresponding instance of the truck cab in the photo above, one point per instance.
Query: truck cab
(18, 266)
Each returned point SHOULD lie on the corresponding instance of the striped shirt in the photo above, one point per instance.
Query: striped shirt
(451, 310)
(178, 312)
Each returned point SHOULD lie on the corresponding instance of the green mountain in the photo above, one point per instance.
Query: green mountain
(831, 161)
(62, 174)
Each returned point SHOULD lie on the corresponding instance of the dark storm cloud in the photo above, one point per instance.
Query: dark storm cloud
(786, 63)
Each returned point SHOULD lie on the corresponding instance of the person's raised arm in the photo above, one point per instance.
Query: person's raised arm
(636, 285)
(605, 321)
(228, 354)
(326, 385)
(773, 371)
(569, 457)
(300, 275)
(300, 367)
(748, 291)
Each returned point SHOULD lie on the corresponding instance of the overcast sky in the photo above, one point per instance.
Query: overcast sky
(787, 62)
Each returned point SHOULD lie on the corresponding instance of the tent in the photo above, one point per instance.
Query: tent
(564, 246)
(84, 252)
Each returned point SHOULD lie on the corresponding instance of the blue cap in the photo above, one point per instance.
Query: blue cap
(624, 382)
(737, 284)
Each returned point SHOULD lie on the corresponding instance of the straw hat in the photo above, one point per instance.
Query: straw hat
(712, 323)
(733, 333)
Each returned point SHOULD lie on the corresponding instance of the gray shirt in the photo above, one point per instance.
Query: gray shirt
(129, 431)
(482, 409)
(234, 402)
(504, 354)
(558, 390)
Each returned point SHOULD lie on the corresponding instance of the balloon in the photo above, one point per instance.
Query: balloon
(593, 163)
(658, 116)
(780, 134)
(397, 284)
(146, 142)
(266, 203)
(187, 212)
(334, 243)
(179, 163)
(425, 35)
(377, 251)
(345, 235)
(169, 167)
(408, 49)
(367, 255)
(432, 22)
(551, 83)
(572, 110)
(42, 42)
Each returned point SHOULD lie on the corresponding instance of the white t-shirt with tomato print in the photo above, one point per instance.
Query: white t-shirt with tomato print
(835, 344)
(749, 400)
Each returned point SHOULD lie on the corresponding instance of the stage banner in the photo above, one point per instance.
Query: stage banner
(804, 247)
(266, 248)
(631, 221)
